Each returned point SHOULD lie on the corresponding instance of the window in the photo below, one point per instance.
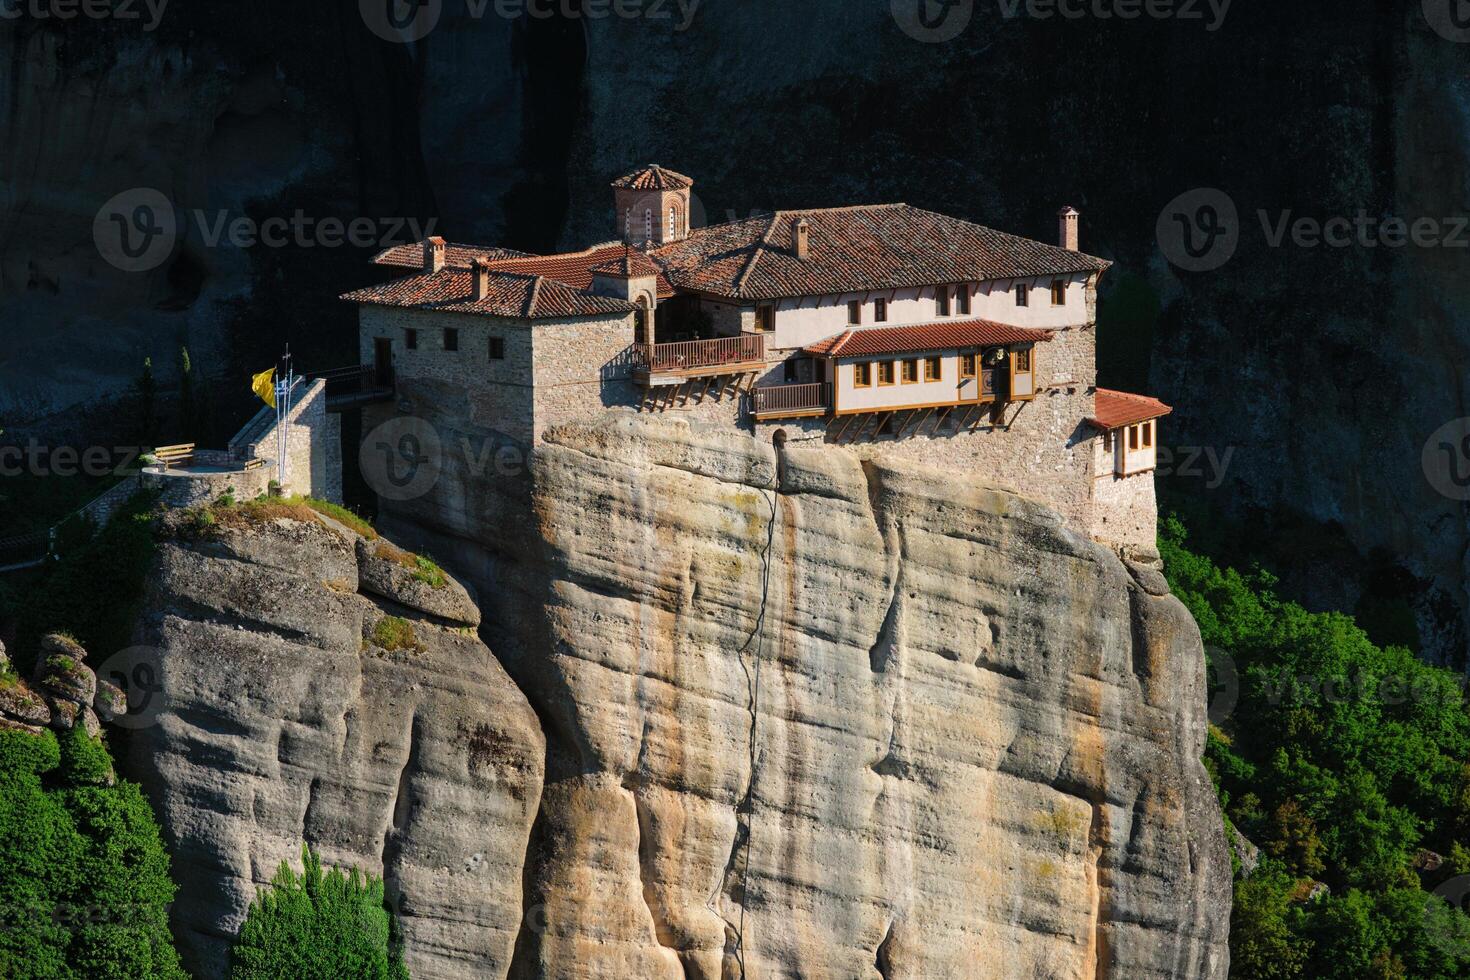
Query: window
(862, 374)
(886, 372)
(497, 348)
(451, 339)
(765, 318)
(1133, 437)
(932, 369)
(628, 224)
(911, 371)
(673, 223)
(1023, 294)
(880, 310)
(941, 301)
(792, 370)
(1058, 292)
(1148, 435)
(411, 339)
(967, 365)
(1023, 361)
(648, 224)
(962, 294)
(855, 312)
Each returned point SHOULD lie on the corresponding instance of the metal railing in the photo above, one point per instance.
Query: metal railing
(695, 355)
(782, 399)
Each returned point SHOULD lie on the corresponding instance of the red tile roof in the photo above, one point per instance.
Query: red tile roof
(518, 296)
(654, 178)
(856, 249)
(925, 337)
(630, 265)
(575, 268)
(455, 256)
(1116, 409)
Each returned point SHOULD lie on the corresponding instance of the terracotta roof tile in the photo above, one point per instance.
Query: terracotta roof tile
(654, 178)
(1115, 409)
(510, 295)
(856, 249)
(629, 265)
(925, 337)
(455, 256)
(575, 268)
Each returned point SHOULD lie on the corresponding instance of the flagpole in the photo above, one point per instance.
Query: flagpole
(285, 382)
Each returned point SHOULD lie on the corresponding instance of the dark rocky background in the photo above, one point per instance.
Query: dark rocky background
(1318, 373)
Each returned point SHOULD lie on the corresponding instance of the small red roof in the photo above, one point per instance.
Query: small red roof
(925, 337)
(575, 268)
(515, 296)
(654, 178)
(455, 256)
(1116, 409)
(629, 265)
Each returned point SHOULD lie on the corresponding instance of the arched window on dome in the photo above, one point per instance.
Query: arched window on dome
(673, 222)
(648, 225)
(628, 224)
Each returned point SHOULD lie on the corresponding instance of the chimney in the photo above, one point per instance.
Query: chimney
(434, 254)
(803, 239)
(480, 272)
(1068, 219)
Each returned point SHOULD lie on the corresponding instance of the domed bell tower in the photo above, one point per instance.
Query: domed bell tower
(652, 206)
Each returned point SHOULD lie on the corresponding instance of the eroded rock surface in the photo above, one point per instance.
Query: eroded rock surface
(281, 725)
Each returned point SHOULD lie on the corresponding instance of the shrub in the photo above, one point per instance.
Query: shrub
(392, 634)
(319, 926)
(85, 891)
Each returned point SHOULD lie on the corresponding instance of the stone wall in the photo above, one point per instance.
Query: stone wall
(313, 465)
(1125, 512)
(582, 369)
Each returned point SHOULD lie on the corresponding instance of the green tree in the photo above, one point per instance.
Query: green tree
(319, 925)
(188, 410)
(147, 391)
(85, 891)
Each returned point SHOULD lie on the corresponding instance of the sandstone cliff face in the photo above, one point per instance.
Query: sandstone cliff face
(824, 719)
(284, 721)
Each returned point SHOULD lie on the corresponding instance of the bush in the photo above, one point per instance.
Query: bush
(85, 891)
(319, 926)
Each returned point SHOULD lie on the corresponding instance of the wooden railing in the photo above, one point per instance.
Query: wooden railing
(791, 398)
(695, 355)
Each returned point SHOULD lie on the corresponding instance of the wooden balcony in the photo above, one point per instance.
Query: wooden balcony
(657, 365)
(791, 401)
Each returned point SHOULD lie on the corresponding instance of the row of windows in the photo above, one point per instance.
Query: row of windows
(948, 301)
(495, 347)
(648, 224)
(906, 371)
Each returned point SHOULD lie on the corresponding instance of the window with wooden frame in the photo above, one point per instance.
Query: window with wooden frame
(411, 339)
(497, 348)
(933, 369)
(862, 374)
(1059, 292)
(880, 310)
(1023, 361)
(887, 372)
(962, 297)
(451, 339)
(765, 318)
(941, 301)
(855, 312)
(911, 371)
(1148, 435)
(1133, 437)
(969, 364)
(1023, 294)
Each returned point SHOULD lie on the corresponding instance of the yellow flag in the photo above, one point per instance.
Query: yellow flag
(264, 385)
